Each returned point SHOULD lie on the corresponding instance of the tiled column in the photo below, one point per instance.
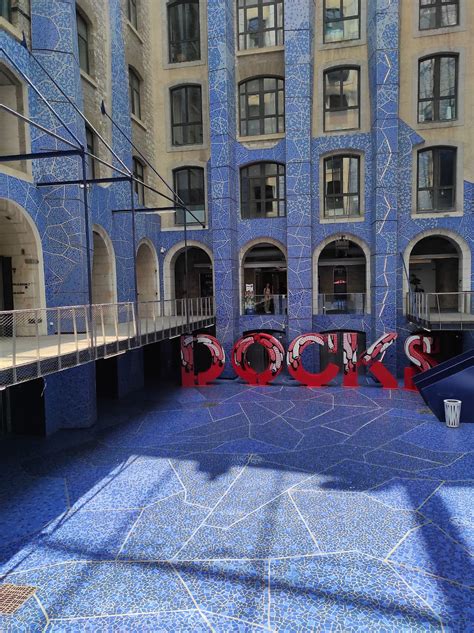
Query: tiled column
(223, 175)
(299, 20)
(70, 395)
(383, 30)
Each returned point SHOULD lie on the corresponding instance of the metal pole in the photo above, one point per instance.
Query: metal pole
(186, 280)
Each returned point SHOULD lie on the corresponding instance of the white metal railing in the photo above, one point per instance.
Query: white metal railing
(449, 310)
(343, 303)
(38, 342)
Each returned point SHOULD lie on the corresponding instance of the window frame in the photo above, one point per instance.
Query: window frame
(438, 5)
(242, 7)
(192, 222)
(341, 92)
(242, 92)
(6, 10)
(262, 177)
(81, 19)
(171, 5)
(343, 19)
(186, 124)
(435, 149)
(342, 195)
(135, 92)
(139, 173)
(132, 13)
(436, 98)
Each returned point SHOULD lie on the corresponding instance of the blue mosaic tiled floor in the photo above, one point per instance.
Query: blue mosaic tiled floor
(231, 508)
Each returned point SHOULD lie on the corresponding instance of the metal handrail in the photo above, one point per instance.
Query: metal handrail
(41, 341)
(342, 303)
(441, 308)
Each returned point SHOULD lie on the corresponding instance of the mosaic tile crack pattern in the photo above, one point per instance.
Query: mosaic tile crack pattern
(173, 516)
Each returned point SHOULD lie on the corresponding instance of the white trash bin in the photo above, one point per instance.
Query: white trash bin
(452, 411)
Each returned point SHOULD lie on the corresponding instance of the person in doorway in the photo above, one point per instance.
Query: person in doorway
(267, 298)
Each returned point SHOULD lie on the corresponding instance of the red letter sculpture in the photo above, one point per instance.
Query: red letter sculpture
(188, 376)
(418, 349)
(372, 359)
(275, 353)
(295, 364)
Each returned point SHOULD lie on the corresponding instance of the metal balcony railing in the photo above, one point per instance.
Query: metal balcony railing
(259, 304)
(344, 303)
(35, 343)
(441, 310)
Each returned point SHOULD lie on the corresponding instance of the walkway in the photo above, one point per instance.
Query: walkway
(231, 508)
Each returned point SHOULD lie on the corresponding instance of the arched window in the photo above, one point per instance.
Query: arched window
(139, 173)
(264, 279)
(262, 191)
(341, 186)
(83, 42)
(260, 23)
(437, 88)
(134, 84)
(6, 10)
(341, 20)
(262, 106)
(436, 181)
(184, 34)
(132, 12)
(186, 115)
(189, 186)
(341, 98)
(437, 14)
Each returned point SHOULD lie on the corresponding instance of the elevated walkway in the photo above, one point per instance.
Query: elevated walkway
(35, 343)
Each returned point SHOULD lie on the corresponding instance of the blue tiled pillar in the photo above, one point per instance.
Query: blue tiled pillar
(222, 167)
(299, 20)
(383, 30)
(70, 399)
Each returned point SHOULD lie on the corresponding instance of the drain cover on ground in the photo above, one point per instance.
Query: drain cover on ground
(12, 597)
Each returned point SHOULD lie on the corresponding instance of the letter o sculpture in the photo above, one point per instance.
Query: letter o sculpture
(189, 378)
(295, 364)
(275, 353)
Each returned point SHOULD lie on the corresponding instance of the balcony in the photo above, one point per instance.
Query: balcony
(35, 343)
(258, 304)
(344, 303)
(441, 310)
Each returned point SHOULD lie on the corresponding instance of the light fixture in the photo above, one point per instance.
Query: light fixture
(162, 250)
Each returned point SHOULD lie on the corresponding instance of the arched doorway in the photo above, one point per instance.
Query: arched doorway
(200, 280)
(104, 288)
(435, 268)
(342, 278)
(264, 279)
(21, 260)
(147, 272)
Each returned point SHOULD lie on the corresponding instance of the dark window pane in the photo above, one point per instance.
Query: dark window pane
(437, 88)
(262, 190)
(184, 31)
(341, 186)
(341, 20)
(186, 115)
(83, 42)
(436, 179)
(435, 14)
(262, 106)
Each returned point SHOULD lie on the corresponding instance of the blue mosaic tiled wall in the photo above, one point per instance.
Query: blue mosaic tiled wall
(386, 229)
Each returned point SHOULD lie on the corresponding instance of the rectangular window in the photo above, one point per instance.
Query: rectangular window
(186, 115)
(260, 23)
(133, 13)
(437, 88)
(135, 93)
(83, 43)
(189, 186)
(262, 191)
(436, 180)
(341, 20)
(341, 186)
(262, 106)
(139, 173)
(6, 10)
(437, 14)
(184, 32)
(341, 99)
(90, 144)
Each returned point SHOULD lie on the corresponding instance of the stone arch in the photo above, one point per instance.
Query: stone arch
(169, 264)
(104, 274)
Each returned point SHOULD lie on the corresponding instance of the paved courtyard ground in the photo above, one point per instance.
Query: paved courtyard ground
(231, 508)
